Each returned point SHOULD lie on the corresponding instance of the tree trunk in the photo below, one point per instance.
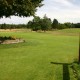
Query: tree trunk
(79, 47)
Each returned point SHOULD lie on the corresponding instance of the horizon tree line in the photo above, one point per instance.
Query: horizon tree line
(43, 24)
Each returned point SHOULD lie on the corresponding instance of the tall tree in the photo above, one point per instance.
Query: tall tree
(55, 24)
(40, 24)
(46, 23)
(68, 25)
(36, 23)
(19, 7)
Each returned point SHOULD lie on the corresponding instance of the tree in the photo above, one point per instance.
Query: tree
(77, 25)
(61, 26)
(40, 24)
(29, 24)
(19, 7)
(3, 26)
(68, 25)
(36, 19)
(36, 23)
(55, 24)
(45, 23)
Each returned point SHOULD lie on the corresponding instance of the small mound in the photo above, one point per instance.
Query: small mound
(10, 40)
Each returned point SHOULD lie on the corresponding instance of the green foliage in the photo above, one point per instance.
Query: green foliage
(12, 26)
(77, 25)
(3, 26)
(65, 25)
(7, 38)
(55, 24)
(19, 7)
(46, 23)
(76, 70)
(68, 25)
(61, 26)
(36, 24)
(29, 24)
(40, 24)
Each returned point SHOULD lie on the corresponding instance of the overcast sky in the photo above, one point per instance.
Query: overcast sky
(62, 10)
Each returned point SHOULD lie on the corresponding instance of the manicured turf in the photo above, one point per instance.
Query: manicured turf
(38, 57)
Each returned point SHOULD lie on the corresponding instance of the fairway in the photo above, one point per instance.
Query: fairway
(44, 55)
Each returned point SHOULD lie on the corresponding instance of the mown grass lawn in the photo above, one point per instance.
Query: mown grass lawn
(32, 60)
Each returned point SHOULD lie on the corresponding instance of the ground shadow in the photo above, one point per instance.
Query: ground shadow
(66, 75)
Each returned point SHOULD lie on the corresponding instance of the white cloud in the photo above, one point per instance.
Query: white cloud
(63, 2)
(63, 10)
(15, 20)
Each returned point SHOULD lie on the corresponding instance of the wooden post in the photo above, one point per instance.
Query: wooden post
(79, 47)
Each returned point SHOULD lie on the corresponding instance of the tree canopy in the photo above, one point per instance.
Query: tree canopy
(19, 7)
(55, 24)
(40, 23)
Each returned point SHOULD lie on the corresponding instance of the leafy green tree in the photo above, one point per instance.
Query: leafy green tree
(45, 23)
(3, 26)
(77, 25)
(19, 7)
(29, 24)
(40, 24)
(61, 26)
(36, 26)
(36, 23)
(68, 25)
(36, 19)
(55, 24)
